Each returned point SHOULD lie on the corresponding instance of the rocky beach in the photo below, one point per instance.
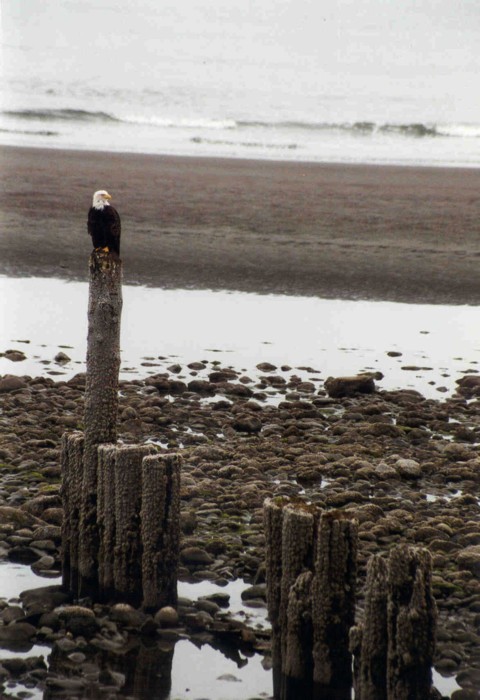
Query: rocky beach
(405, 466)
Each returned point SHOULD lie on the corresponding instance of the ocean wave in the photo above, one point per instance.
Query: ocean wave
(182, 123)
(245, 144)
(29, 132)
(360, 128)
(368, 127)
(76, 115)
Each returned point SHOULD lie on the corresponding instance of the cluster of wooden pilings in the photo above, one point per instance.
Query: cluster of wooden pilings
(121, 528)
(311, 562)
(129, 552)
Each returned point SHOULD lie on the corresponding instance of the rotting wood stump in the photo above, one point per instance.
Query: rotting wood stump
(311, 572)
(394, 645)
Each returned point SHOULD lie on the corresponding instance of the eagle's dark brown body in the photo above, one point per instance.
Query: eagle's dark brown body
(104, 227)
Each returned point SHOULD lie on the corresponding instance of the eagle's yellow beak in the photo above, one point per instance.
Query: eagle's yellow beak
(107, 196)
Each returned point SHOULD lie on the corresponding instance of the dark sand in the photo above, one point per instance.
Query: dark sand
(346, 231)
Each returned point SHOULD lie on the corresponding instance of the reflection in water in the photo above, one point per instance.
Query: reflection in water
(143, 672)
(147, 670)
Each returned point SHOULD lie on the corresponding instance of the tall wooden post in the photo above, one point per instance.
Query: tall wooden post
(101, 399)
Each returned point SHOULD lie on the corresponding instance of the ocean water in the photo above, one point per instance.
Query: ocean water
(373, 81)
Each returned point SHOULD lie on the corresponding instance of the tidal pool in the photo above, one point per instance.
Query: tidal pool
(418, 346)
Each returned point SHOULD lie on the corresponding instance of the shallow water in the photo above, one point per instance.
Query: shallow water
(196, 672)
(438, 344)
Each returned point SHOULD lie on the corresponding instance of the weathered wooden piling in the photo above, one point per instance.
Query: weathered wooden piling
(412, 618)
(298, 530)
(273, 525)
(160, 529)
(297, 662)
(369, 641)
(127, 564)
(106, 520)
(333, 604)
(72, 469)
(101, 399)
(311, 572)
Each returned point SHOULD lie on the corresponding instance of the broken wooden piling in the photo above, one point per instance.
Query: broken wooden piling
(333, 604)
(160, 529)
(412, 616)
(311, 571)
(127, 565)
(369, 641)
(395, 644)
(72, 470)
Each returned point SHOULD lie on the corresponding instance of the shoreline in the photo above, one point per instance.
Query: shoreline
(258, 159)
(373, 232)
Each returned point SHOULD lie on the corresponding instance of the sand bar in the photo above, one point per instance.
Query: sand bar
(334, 231)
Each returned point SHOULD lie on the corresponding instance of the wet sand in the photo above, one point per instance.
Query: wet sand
(335, 231)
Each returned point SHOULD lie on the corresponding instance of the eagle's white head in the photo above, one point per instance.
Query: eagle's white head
(100, 199)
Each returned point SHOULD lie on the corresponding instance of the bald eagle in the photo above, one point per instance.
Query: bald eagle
(104, 223)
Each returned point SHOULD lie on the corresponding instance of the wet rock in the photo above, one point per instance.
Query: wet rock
(246, 423)
(221, 599)
(257, 591)
(469, 385)
(15, 666)
(188, 521)
(67, 686)
(48, 532)
(338, 387)
(23, 555)
(266, 367)
(222, 375)
(36, 506)
(195, 555)
(11, 613)
(208, 606)
(11, 383)
(408, 468)
(127, 615)
(17, 632)
(53, 516)
(14, 355)
(166, 617)
(45, 563)
(61, 358)
(78, 620)
(43, 599)
(18, 518)
(469, 558)
(200, 386)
